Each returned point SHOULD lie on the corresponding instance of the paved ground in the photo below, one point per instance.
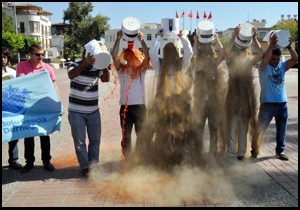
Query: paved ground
(222, 182)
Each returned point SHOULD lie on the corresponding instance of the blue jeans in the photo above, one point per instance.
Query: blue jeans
(280, 111)
(80, 125)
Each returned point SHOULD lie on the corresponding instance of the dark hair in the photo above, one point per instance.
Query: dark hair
(6, 53)
(34, 47)
(276, 51)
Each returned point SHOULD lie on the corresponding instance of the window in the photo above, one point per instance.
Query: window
(262, 35)
(34, 27)
(22, 27)
(42, 29)
(148, 37)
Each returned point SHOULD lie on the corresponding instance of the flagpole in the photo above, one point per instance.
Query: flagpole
(191, 26)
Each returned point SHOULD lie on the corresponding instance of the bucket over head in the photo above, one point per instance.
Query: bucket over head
(244, 38)
(170, 27)
(283, 38)
(100, 53)
(131, 28)
(205, 31)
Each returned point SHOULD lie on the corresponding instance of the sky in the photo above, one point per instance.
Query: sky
(224, 14)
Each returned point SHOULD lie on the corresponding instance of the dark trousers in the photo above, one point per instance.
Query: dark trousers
(135, 115)
(29, 149)
(13, 151)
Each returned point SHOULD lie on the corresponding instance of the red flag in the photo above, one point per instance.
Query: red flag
(191, 14)
(209, 16)
(204, 15)
(197, 15)
(176, 14)
(182, 15)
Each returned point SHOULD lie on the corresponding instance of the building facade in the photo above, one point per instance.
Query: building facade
(33, 21)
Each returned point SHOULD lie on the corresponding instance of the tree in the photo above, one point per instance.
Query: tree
(28, 41)
(82, 28)
(12, 41)
(7, 23)
(288, 25)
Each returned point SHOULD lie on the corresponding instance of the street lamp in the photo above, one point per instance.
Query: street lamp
(16, 24)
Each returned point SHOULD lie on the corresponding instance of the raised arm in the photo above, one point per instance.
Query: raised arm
(268, 54)
(153, 52)
(188, 51)
(85, 62)
(115, 50)
(145, 51)
(294, 56)
(231, 42)
(259, 54)
(220, 48)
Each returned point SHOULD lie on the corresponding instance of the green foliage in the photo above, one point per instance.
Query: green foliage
(291, 26)
(13, 42)
(27, 42)
(82, 28)
(7, 23)
(224, 41)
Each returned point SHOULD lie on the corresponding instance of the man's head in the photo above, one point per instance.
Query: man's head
(5, 57)
(276, 55)
(36, 53)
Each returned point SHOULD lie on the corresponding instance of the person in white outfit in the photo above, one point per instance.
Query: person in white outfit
(166, 132)
(9, 73)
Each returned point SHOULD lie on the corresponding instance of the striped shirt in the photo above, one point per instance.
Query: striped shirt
(84, 95)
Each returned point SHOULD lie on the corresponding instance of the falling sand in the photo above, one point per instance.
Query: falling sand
(165, 170)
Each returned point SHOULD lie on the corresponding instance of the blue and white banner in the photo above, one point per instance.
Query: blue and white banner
(30, 107)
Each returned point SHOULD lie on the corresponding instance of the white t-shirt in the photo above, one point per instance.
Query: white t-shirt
(136, 94)
(9, 72)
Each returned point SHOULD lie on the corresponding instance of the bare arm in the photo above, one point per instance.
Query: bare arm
(221, 49)
(105, 77)
(294, 56)
(231, 42)
(268, 54)
(85, 62)
(258, 47)
(115, 50)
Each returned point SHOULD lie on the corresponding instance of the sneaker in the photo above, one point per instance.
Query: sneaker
(282, 156)
(15, 165)
(27, 168)
(241, 157)
(48, 166)
(85, 172)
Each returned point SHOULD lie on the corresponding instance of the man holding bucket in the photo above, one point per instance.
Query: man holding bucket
(84, 115)
(131, 66)
(273, 96)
